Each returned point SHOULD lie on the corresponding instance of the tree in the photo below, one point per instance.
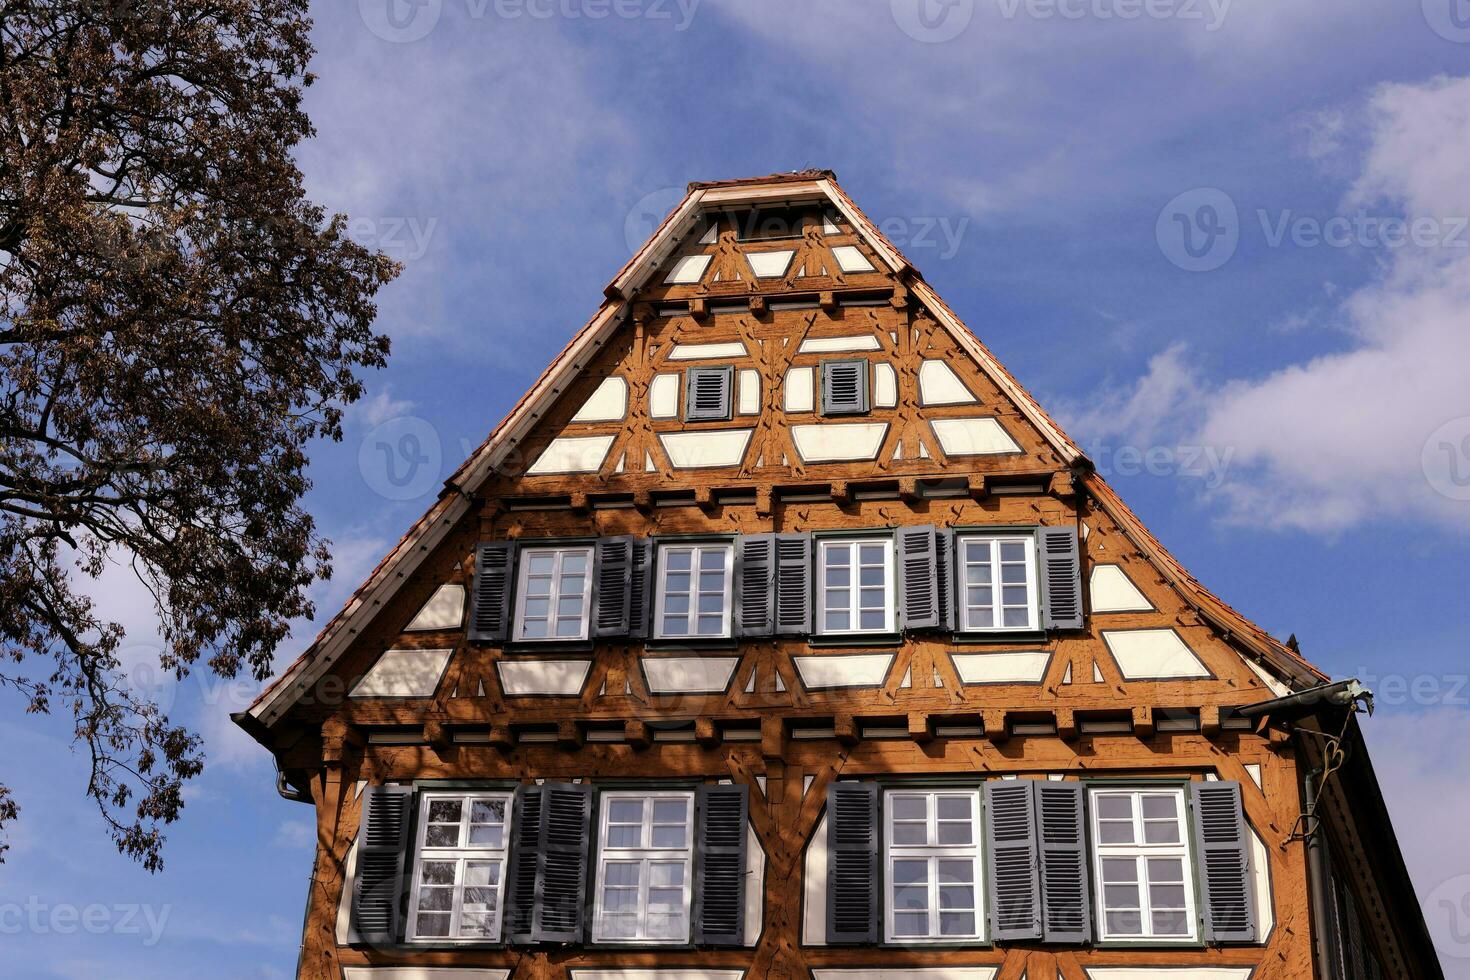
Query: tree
(179, 322)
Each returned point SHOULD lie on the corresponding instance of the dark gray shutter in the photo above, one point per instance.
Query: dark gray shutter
(640, 600)
(378, 884)
(721, 813)
(1061, 577)
(561, 888)
(1224, 862)
(755, 578)
(613, 586)
(494, 574)
(524, 866)
(1010, 831)
(707, 393)
(853, 883)
(918, 578)
(844, 387)
(948, 601)
(793, 584)
(1065, 911)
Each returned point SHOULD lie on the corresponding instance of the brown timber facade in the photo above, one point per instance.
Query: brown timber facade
(778, 632)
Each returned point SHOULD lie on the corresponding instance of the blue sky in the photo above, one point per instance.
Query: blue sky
(1281, 397)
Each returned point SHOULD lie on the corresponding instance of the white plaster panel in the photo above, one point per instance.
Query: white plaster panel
(443, 611)
(844, 670)
(701, 450)
(770, 265)
(1168, 973)
(800, 390)
(1113, 591)
(749, 402)
(521, 678)
(814, 888)
(885, 385)
(972, 437)
(609, 403)
(835, 443)
(403, 674)
(582, 454)
(683, 973)
(850, 258)
(663, 397)
(755, 885)
(688, 675)
(1153, 655)
(344, 901)
(1273, 684)
(939, 385)
(421, 973)
(1010, 667)
(688, 270)
(1261, 879)
(909, 973)
(839, 345)
(705, 352)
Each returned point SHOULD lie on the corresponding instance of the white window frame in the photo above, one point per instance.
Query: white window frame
(461, 854)
(997, 606)
(523, 575)
(933, 853)
(696, 552)
(645, 856)
(853, 547)
(1140, 853)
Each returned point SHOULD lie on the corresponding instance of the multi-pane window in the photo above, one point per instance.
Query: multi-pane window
(1142, 864)
(999, 575)
(459, 874)
(644, 866)
(933, 866)
(553, 594)
(855, 586)
(694, 590)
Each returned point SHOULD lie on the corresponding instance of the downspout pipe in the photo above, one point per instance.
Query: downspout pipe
(1317, 877)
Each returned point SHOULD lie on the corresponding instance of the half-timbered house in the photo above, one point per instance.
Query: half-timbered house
(778, 632)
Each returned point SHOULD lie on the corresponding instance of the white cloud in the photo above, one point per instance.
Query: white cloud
(1341, 439)
(295, 834)
(378, 408)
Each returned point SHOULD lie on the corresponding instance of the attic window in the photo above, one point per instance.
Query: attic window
(707, 393)
(845, 387)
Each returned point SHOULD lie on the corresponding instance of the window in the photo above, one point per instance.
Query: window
(644, 866)
(554, 594)
(933, 866)
(844, 387)
(855, 590)
(459, 876)
(694, 590)
(1000, 583)
(707, 393)
(1142, 864)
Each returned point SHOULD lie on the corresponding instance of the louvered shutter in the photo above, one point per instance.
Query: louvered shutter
(561, 888)
(524, 866)
(853, 884)
(707, 393)
(640, 590)
(944, 544)
(755, 593)
(918, 578)
(1010, 831)
(721, 813)
(494, 575)
(613, 586)
(1061, 576)
(793, 584)
(845, 387)
(1224, 862)
(378, 884)
(1065, 913)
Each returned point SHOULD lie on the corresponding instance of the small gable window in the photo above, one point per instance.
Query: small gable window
(998, 583)
(855, 586)
(707, 393)
(845, 387)
(694, 590)
(553, 594)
